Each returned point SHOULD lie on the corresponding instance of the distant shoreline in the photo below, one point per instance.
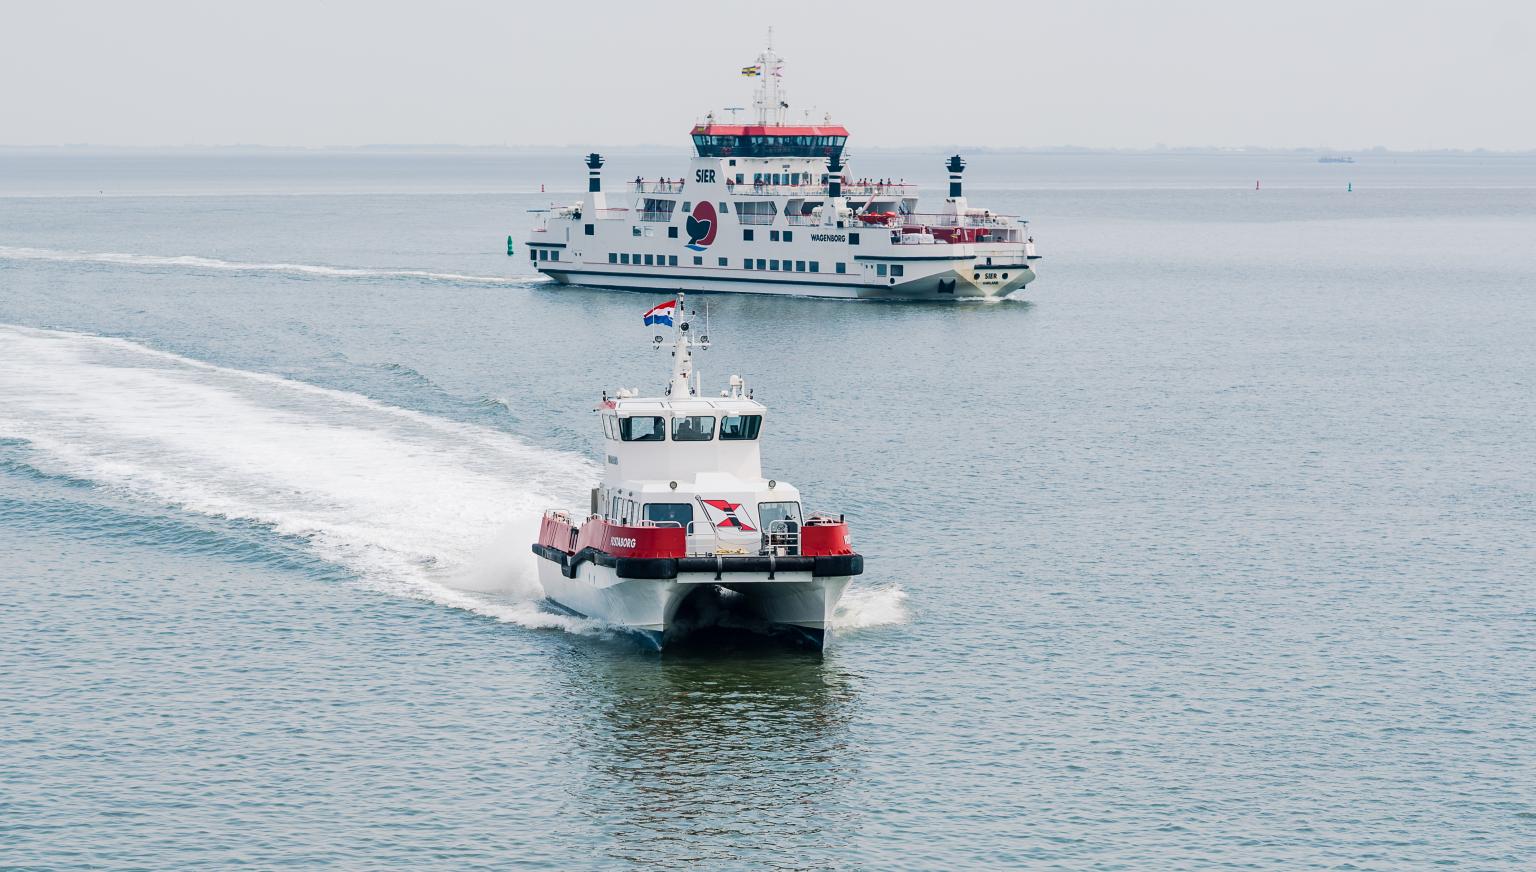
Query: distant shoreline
(425, 149)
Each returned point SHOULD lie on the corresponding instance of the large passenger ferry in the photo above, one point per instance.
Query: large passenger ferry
(770, 208)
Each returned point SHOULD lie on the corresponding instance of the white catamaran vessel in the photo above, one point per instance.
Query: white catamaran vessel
(683, 508)
(768, 208)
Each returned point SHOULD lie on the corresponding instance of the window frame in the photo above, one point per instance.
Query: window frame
(708, 436)
(626, 432)
(751, 429)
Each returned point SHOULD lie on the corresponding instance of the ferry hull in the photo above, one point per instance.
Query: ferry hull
(953, 284)
(795, 601)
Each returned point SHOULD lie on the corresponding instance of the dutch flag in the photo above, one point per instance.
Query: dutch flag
(661, 314)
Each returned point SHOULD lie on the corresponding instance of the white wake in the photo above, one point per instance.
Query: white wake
(412, 504)
(212, 263)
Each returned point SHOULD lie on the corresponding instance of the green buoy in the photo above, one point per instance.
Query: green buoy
(509, 246)
(509, 239)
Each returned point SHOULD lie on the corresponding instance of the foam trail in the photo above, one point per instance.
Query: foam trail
(863, 607)
(412, 504)
(211, 263)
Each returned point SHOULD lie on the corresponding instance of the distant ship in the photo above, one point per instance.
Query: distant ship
(768, 208)
(1334, 158)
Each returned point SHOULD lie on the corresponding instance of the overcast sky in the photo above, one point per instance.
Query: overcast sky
(1105, 74)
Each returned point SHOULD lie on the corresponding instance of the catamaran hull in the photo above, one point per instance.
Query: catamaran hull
(797, 601)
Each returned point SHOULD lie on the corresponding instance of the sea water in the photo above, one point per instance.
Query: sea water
(1212, 549)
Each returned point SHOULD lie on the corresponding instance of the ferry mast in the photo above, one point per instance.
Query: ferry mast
(770, 100)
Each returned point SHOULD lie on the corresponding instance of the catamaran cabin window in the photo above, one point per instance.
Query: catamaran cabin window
(644, 428)
(788, 513)
(842, 267)
(624, 258)
(680, 514)
(740, 426)
(693, 428)
(698, 261)
(613, 257)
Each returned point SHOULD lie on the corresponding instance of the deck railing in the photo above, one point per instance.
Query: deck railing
(642, 186)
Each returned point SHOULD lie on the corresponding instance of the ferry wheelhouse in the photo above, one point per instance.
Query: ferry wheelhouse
(683, 508)
(769, 207)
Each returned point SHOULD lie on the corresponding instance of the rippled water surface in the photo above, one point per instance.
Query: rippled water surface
(1214, 550)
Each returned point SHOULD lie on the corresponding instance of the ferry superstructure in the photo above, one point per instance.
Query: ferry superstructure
(684, 509)
(769, 208)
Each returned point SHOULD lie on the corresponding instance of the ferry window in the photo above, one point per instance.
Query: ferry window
(676, 513)
(787, 514)
(533, 255)
(897, 269)
(853, 239)
(799, 266)
(610, 428)
(646, 428)
(587, 228)
(671, 232)
(746, 263)
(789, 236)
(698, 261)
(723, 210)
(842, 267)
(773, 236)
(693, 428)
(672, 259)
(880, 269)
(746, 235)
(634, 231)
(723, 262)
(650, 261)
(789, 265)
(773, 264)
(613, 257)
(815, 266)
(554, 255)
(687, 206)
(740, 427)
(761, 263)
(739, 176)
